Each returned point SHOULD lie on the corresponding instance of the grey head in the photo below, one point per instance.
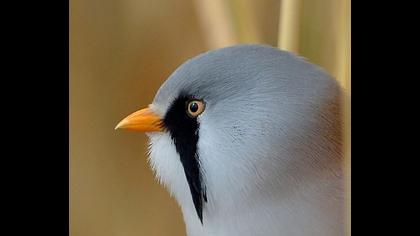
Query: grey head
(271, 121)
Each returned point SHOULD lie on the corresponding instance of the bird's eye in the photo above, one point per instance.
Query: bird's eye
(195, 108)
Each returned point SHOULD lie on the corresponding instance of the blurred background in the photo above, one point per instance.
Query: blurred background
(120, 53)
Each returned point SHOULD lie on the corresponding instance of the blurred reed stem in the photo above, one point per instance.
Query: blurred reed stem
(216, 23)
(289, 25)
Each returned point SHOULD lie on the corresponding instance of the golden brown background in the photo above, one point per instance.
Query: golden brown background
(120, 53)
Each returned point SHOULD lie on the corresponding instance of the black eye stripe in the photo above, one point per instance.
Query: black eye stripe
(184, 132)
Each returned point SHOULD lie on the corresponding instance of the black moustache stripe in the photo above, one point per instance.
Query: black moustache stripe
(184, 132)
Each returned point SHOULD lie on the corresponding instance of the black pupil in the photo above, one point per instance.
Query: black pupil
(193, 107)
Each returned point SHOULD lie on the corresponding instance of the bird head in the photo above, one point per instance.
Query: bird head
(234, 124)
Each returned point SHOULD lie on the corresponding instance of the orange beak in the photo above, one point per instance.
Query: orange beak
(143, 120)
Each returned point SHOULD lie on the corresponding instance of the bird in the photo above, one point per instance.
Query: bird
(248, 140)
